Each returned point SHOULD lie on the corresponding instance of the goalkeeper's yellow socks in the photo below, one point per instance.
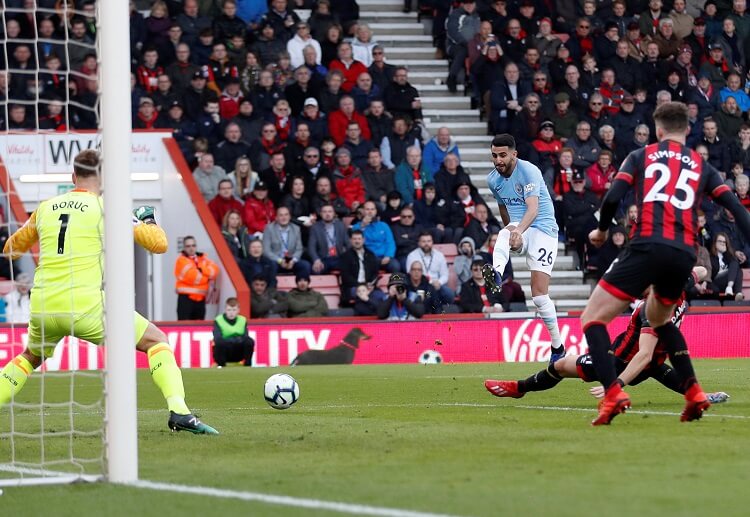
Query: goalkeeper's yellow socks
(167, 377)
(12, 378)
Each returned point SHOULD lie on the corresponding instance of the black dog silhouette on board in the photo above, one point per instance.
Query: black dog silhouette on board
(343, 353)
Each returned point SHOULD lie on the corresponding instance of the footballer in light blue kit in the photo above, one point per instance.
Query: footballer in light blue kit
(530, 229)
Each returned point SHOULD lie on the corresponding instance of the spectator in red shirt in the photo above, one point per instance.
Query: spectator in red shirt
(348, 180)
(224, 202)
(611, 91)
(601, 173)
(348, 66)
(149, 71)
(259, 210)
(339, 120)
(230, 100)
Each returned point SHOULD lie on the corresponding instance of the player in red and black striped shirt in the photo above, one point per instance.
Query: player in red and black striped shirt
(636, 352)
(669, 181)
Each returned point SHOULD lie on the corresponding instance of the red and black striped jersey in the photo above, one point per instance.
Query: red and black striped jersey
(669, 181)
(638, 324)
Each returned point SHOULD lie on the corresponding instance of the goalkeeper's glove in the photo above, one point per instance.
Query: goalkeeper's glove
(145, 214)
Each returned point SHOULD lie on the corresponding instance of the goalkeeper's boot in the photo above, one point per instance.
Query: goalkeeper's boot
(717, 397)
(697, 403)
(189, 423)
(503, 388)
(614, 402)
(488, 272)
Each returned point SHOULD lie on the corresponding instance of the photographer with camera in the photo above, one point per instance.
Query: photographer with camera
(398, 305)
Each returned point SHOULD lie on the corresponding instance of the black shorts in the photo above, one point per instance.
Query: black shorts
(665, 267)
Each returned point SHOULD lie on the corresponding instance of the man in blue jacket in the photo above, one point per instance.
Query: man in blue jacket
(378, 238)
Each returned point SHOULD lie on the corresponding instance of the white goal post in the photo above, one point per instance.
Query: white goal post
(120, 382)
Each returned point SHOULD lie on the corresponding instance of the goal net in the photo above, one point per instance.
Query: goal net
(52, 79)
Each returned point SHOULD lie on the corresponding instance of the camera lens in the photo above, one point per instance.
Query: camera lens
(400, 289)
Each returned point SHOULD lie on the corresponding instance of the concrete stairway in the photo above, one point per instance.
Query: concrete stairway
(408, 42)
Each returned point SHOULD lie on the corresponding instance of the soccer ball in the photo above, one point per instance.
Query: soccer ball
(281, 391)
(430, 357)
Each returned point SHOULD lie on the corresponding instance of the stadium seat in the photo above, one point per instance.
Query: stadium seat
(285, 282)
(737, 303)
(449, 250)
(518, 307)
(705, 303)
(451, 308)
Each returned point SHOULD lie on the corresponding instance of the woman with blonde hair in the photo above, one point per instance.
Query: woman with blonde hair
(236, 234)
(243, 178)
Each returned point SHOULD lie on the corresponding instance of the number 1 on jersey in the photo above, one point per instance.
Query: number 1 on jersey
(64, 218)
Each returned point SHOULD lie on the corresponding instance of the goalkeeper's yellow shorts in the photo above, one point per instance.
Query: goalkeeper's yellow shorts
(46, 330)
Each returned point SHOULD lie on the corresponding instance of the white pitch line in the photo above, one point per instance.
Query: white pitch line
(634, 411)
(283, 500)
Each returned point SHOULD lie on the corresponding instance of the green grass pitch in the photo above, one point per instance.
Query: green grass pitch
(424, 438)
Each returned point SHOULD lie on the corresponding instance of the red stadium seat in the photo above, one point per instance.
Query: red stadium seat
(449, 250)
(285, 282)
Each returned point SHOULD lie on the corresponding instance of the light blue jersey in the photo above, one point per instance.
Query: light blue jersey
(526, 181)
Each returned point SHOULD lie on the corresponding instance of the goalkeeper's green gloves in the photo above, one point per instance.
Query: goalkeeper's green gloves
(145, 214)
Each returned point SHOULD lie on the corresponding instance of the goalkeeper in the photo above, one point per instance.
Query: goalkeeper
(67, 298)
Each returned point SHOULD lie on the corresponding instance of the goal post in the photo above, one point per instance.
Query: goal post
(120, 379)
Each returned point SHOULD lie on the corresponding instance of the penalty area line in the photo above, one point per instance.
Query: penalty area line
(283, 500)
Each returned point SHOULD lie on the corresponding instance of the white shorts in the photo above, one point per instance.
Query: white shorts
(539, 248)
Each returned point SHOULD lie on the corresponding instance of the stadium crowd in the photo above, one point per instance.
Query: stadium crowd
(311, 150)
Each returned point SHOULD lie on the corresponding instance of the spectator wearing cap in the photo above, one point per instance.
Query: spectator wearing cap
(546, 42)
(301, 89)
(627, 119)
(348, 179)
(207, 175)
(563, 118)
(316, 120)
(461, 26)
(250, 122)
(398, 306)
(147, 116)
(683, 65)
(605, 46)
(476, 298)
(697, 41)
(282, 244)
(683, 22)
(716, 67)
(734, 89)
(579, 205)
(259, 210)
(548, 147)
(231, 97)
(304, 302)
(339, 120)
(184, 130)
(195, 97)
(299, 41)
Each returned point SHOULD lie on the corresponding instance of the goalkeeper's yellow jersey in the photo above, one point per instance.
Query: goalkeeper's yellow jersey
(70, 231)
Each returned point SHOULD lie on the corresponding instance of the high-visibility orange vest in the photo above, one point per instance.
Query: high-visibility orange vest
(193, 275)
